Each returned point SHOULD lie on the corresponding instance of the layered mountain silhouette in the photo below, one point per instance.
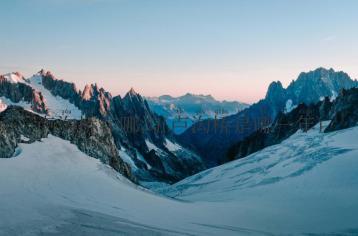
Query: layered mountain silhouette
(184, 111)
(142, 139)
(213, 137)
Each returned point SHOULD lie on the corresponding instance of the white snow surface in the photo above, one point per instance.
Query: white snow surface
(307, 184)
(172, 146)
(152, 146)
(52, 187)
(289, 106)
(5, 102)
(58, 107)
(14, 78)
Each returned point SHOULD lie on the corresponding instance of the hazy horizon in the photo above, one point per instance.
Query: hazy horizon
(229, 49)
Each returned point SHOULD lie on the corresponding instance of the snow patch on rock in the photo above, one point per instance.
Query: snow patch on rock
(58, 107)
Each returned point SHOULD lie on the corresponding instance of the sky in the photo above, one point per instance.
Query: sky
(231, 49)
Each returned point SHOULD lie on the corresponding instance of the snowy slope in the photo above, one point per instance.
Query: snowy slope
(58, 107)
(5, 102)
(51, 187)
(307, 184)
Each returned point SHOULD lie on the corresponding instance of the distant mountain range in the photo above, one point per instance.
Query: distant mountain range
(212, 138)
(138, 142)
(184, 111)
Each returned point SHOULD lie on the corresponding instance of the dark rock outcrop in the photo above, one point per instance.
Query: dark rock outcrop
(91, 135)
(344, 112)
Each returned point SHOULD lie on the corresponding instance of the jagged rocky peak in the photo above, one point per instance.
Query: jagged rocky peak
(88, 92)
(132, 97)
(43, 72)
(311, 87)
(46, 94)
(93, 91)
(322, 78)
(275, 89)
(132, 92)
(14, 77)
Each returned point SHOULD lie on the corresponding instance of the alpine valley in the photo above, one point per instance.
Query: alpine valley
(184, 111)
(85, 162)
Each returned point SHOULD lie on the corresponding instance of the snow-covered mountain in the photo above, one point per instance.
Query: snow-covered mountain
(70, 175)
(310, 87)
(184, 111)
(142, 138)
(212, 139)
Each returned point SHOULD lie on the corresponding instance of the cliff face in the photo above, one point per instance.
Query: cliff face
(91, 135)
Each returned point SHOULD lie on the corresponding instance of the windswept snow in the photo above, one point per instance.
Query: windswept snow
(172, 146)
(5, 102)
(306, 185)
(51, 187)
(58, 107)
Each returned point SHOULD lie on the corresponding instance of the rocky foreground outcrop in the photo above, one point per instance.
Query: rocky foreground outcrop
(91, 135)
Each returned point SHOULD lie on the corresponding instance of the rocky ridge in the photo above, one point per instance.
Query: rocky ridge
(91, 136)
(140, 136)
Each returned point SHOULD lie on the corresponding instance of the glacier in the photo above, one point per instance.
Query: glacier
(305, 185)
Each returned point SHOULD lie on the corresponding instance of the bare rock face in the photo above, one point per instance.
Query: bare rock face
(91, 136)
